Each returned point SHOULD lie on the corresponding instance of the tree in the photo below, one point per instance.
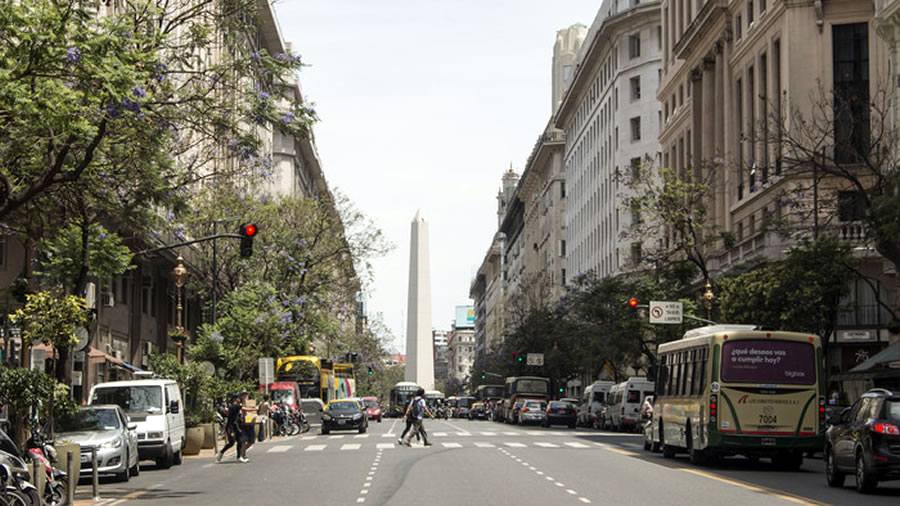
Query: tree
(21, 390)
(52, 320)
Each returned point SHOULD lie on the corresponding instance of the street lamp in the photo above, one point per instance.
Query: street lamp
(179, 275)
(708, 298)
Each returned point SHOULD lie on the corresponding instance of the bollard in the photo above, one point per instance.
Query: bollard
(216, 438)
(39, 475)
(95, 475)
(73, 480)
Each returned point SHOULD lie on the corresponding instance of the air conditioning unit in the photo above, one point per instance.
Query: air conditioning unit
(118, 354)
(147, 348)
(108, 299)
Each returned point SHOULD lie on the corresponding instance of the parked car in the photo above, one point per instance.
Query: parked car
(499, 408)
(344, 414)
(560, 413)
(107, 428)
(155, 405)
(531, 412)
(373, 408)
(864, 439)
(514, 412)
(477, 411)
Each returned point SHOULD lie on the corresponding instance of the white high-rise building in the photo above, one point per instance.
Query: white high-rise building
(419, 340)
(611, 119)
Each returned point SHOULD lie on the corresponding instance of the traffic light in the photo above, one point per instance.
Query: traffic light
(370, 371)
(560, 390)
(248, 231)
(632, 303)
(482, 376)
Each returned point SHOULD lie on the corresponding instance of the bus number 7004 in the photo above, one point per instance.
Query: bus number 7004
(768, 419)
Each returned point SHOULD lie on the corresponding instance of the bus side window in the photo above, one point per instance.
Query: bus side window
(689, 373)
(701, 378)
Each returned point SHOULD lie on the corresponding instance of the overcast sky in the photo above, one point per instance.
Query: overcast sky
(423, 105)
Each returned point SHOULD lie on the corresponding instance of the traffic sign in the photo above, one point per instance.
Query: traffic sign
(666, 311)
(266, 371)
(536, 359)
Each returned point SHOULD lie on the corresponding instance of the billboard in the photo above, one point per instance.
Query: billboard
(465, 317)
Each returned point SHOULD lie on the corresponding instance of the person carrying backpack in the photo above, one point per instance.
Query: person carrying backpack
(417, 412)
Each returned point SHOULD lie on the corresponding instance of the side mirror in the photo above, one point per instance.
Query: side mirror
(132, 426)
(173, 407)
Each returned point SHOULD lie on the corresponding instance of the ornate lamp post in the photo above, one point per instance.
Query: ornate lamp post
(179, 275)
(708, 298)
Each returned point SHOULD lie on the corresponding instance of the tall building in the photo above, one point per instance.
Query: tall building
(441, 353)
(461, 344)
(565, 60)
(419, 341)
(611, 119)
(736, 75)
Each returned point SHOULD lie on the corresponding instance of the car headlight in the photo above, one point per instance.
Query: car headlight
(326, 416)
(112, 443)
(154, 435)
(357, 416)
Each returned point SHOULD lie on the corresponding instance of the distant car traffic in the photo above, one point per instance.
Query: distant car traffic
(373, 408)
(864, 439)
(478, 411)
(107, 428)
(560, 413)
(344, 414)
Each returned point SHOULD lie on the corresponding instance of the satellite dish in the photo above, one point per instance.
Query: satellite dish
(208, 367)
(84, 338)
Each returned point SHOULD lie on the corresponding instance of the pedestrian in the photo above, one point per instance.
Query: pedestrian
(263, 412)
(231, 426)
(409, 424)
(417, 412)
(245, 423)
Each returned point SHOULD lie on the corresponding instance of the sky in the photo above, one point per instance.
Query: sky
(424, 104)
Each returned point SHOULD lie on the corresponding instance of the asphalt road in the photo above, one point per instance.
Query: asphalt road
(479, 463)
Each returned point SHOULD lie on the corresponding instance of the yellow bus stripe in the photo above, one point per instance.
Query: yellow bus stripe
(755, 488)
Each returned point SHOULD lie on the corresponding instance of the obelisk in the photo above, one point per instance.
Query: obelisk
(419, 341)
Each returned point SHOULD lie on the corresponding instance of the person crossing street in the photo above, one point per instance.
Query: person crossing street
(417, 412)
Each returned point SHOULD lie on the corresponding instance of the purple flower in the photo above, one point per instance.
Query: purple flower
(287, 118)
(216, 336)
(131, 105)
(300, 301)
(137, 90)
(159, 74)
(170, 217)
(719, 160)
(280, 56)
(101, 236)
(263, 95)
(254, 56)
(297, 59)
(73, 55)
(113, 110)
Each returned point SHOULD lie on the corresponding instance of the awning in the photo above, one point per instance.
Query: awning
(95, 355)
(883, 357)
(131, 368)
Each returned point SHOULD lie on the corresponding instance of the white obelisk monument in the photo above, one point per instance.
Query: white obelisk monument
(419, 341)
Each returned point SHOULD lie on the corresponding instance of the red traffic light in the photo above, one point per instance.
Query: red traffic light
(632, 302)
(248, 230)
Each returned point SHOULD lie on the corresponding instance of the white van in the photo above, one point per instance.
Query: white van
(157, 408)
(625, 399)
(592, 401)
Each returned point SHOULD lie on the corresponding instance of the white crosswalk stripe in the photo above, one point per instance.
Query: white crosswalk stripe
(510, 433)
(515, 445)
(484, 445)
(314, 448)
(576, 445)
(389, 434)
(279, 449)
(546, 445)
(385, 446)
(360, 436)
(350, 447)
(452, 445)
(440, 434)
(488, 433)
(463, 434)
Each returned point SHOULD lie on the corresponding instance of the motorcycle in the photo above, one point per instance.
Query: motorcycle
(37, 449)
(17, 488)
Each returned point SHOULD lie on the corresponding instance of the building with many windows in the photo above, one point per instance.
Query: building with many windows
(610, 117)
(736, 77)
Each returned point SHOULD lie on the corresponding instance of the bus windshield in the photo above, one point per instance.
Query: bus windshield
(531, 386)
(492, 392)
(465, 402)
(768, 362)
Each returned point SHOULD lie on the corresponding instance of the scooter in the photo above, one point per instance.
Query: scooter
(17, 487)
(57, 481)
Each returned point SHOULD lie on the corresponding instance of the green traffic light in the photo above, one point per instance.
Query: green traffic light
(560, 390)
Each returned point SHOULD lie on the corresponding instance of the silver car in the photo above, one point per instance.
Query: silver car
(107, 428)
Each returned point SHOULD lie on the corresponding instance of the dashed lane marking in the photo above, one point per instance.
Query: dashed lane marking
(350, 447)
(385, 446)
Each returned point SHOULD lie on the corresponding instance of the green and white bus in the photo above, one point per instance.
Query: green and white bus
(736, 390)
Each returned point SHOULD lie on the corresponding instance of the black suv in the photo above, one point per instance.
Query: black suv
(864, 439)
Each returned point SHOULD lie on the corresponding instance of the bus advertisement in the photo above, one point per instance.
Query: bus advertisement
(736, 390)
(317, 377)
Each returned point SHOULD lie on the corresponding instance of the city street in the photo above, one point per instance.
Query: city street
(473, 462)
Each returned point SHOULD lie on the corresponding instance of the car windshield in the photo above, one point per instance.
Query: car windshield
(90, 420)
(892, 410)
(132, 399)
(371, 404)
(533, 405)
(283, 396)
(557, 405)
(343, 407)
(633, 396)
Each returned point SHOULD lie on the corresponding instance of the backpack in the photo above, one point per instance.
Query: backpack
(419, 408)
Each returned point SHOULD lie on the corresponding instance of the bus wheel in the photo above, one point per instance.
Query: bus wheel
(697, 457)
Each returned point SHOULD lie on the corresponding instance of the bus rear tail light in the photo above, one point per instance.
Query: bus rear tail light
(549, 410)
(713, 407)
(885, 428)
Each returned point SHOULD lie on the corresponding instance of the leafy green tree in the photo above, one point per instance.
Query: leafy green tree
(21, 390)
(52, 319)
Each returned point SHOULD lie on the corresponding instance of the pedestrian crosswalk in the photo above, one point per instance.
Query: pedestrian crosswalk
(470, 442)
(466, 434)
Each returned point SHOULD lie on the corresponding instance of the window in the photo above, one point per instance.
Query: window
(659, 37)
(749, 13)
(851, 206)
(563, 277)
(635, 169)
(738, 25)
(636, 253)
(123, 297)
(562, 247)
(635, 88)
(562, 189)
(850, 55)
(634, 46)
(762, 7)
(635, 129)
(636, 214)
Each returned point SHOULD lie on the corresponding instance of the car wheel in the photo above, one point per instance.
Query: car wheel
(136, 469)
(865, 483)
(834, 477)
(125, 475)
(379, 419)
(177, 458)
(646, 445)
(324, 431)
(165, 461)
